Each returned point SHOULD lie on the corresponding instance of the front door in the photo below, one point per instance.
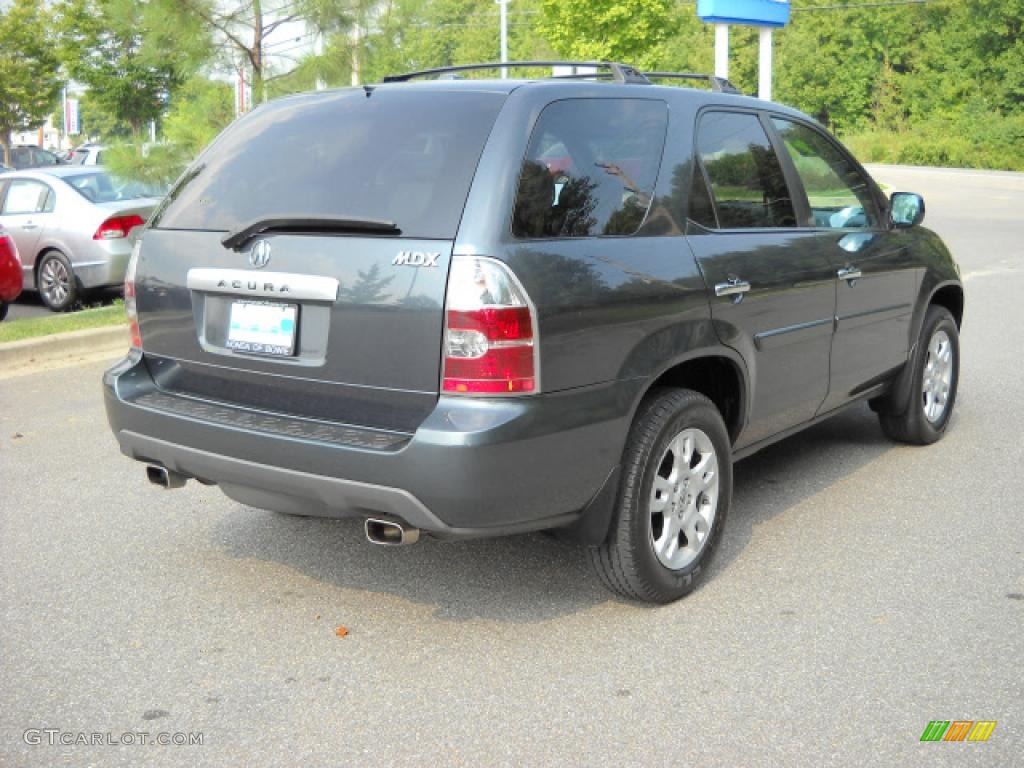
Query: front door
(874, 286)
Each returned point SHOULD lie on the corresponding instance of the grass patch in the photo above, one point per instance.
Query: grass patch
(31, 327)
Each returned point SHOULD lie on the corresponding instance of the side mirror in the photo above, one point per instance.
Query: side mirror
(906, 209)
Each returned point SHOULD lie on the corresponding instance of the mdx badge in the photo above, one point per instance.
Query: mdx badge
(259, 256)
(416, 259)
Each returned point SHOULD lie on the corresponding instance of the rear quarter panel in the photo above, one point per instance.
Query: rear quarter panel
(609, 308)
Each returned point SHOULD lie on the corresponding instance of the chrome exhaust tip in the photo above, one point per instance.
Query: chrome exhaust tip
(389, 533)
(165, 478)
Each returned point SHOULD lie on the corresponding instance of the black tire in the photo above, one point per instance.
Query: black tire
(906, 421)
(627, 562)
(3, 310)
(56, 282)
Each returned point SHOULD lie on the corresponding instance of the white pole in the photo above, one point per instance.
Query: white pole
(318, 50)
(764, 71)
(504, 36)
(722, 50)
(356, 65)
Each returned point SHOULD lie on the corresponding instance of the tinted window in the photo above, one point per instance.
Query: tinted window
(42, 157)
(837, 192)
(21, 157)
(101, 187)
(395, 154)
(747, 183)
(590, 168)
(701, 210)
(25, 196)
(79, 157)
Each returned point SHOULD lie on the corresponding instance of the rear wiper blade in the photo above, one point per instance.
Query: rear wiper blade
(307, 224)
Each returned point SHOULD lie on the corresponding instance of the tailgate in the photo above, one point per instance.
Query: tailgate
(333, 327)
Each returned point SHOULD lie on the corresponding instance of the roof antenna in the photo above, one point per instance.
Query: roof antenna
(369, 90)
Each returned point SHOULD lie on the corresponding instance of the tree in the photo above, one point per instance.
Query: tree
(198, 112)
(29, 81)
(629, 31)
(240, 30)
(127, 55)
(405, 35)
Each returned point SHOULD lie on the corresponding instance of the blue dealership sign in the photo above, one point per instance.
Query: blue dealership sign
(757, 13)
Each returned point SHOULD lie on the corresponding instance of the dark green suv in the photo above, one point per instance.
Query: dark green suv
(474, 307)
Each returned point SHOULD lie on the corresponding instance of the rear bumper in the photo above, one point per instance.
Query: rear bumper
(103, 264)
(474, 467)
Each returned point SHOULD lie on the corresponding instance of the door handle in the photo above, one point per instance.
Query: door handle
(732, 287)
(849, 274)
(29, 225)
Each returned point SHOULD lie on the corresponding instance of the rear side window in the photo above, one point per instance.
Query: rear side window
(390, 153)
(100, 187)
(590, 168)
(747, 182)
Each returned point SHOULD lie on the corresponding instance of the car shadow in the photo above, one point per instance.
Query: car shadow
(532, 578)
(786, 474)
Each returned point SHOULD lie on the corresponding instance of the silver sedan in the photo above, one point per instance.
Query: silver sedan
(73, 226)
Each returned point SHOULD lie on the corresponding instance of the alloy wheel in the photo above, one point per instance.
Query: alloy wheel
(684, 498)
(938, 376)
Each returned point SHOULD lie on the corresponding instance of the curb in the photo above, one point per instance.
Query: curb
(62, 346)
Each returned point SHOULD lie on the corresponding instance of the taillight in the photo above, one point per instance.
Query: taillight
(117, 226)
(130, 307)
(490, 331)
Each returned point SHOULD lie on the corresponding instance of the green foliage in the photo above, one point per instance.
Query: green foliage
(199, 111)
(616, 30)
(29, 84)
(156, 164)
(987, 141)
(420, 34)
(130, 59)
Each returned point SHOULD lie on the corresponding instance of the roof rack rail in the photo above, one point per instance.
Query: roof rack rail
(718, 84)
(620, 73)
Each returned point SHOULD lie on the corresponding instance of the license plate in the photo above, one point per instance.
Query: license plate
(263, 327)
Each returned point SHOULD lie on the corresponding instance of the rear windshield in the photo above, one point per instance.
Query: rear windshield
(101, 187)
(392, 154)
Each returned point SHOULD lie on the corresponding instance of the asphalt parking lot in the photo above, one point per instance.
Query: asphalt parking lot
(862, 589)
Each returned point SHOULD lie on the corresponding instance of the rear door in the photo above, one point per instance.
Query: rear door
(332, 306)
(773, 291)
(875, 283)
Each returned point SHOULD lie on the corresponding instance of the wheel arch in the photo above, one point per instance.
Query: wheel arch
(41, 255)
(948, 294)
(951, 296)
(719, 374)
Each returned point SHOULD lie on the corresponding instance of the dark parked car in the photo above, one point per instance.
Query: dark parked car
(483, 307)
(27, 156)
(10, 272)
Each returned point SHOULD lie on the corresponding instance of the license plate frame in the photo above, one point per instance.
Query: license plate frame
(267, 328)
